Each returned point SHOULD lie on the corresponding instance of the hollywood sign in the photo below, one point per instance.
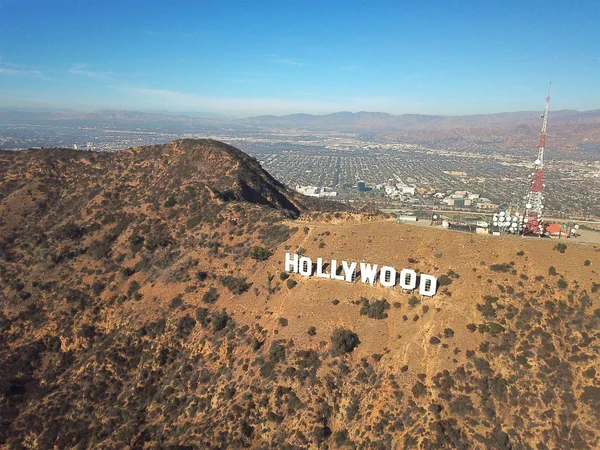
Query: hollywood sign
(368, 273)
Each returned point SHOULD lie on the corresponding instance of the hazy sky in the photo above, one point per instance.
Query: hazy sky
(276, 57)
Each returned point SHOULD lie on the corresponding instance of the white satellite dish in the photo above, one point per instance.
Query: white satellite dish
(576, 227)
(434, 216)
(528, 206)
(502, 213)
(526, 220)
(537, 162)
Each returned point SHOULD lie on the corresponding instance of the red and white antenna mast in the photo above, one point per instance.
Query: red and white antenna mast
(532, 220)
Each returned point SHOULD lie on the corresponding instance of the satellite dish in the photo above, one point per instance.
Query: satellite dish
(528, 206)
(495, 223)
(537, 162)
(502, 213)
(525, 220)
(541, 206)
(435, 216)
(576, 227)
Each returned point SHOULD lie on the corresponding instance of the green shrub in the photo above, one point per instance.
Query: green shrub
(340, 438)
(170, 202)
(413, 301)
(201, 275)
(495, 328)
(70, 231)
(500, 267)
(133, 287)
(487, 310)
(210, 296)
(193, 221)
(220, 320)
(260, 253)
(291, 283)
(560, 247)
(176, 302)
(237, 286)
(562, 284)
(276, 352)
(375, 309)
(312, 331)
(344, 341)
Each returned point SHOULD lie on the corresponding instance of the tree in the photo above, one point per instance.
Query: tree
(260, 253)
(344, 341)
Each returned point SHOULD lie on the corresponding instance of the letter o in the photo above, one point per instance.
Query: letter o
(305, 267)
(412, 279)
(387, 273)
(427, 285)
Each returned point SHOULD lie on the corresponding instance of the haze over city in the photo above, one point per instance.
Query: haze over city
(262, 57)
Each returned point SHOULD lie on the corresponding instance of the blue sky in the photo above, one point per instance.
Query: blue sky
(277, 57)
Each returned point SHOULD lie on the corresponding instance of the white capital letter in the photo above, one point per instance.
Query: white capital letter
(368, 273)
(349, 271)
(320, 269)
(334, 269)
(291, 265)
(427, 285)
(305, 268)
(387, 276)
(408, 279)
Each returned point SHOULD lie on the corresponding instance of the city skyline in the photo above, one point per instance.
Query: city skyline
(449, 58)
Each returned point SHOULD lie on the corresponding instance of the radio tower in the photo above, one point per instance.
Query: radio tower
(532, 220)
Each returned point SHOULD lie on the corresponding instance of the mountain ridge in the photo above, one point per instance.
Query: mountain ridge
(144, 304)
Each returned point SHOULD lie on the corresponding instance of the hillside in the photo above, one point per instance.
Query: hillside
(143, 304)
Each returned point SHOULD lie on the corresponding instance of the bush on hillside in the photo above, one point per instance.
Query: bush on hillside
(344, 341)
(237, 286)
(260, 253)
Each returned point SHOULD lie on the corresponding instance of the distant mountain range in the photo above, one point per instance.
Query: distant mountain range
(378, 120)
(568, 128)
(337, 120)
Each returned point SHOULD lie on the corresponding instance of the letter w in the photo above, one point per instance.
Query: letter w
(368, 273)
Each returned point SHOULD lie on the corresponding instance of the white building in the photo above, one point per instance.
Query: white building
(315, 191)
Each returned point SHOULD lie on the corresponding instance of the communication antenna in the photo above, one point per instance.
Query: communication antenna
(533, 221)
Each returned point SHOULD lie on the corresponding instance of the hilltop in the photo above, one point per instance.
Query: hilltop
(143, 304)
